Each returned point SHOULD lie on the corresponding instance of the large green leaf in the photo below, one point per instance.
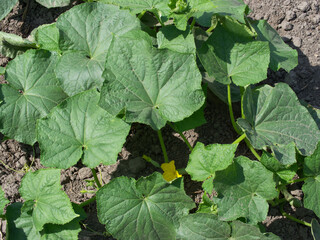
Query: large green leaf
(86, 32)
(205, 161)
(79, 128)
(54, 3)
(311, 187)
(5, 7)
(12, 45)
(243, 190)
(227, 56)
(206, 226)
(47, 37)
(281, 55)
(275, 118)
(315, 229)
(205, 9)
(148, 208)
(3, 201)
(153, 86)
(32, 91)
(49, 204)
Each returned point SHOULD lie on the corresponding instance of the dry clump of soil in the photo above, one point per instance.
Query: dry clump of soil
(299, 25)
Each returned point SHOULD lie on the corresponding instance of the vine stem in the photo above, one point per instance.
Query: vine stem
(192, 24)
(142, 14)
(210, 29)
(293, 218)
(163, 147)
(239, 139)
(94, 173)
(235, 125)
(89, 201)
(181, 135)
(242, 92)
(293, 181)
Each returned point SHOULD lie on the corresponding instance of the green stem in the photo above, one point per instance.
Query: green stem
(159, 20)
(181, 135)
(94, 173)
(252, 149)
(293, 218)
(211, 28)
(242, 111)
(149, 159)
(293, 181)
(231, 111)
(239, 139)
(89, 201)
(141, 14)
(192, 24)
(163, 147)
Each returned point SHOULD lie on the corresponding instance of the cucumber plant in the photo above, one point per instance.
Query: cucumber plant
(76, 86)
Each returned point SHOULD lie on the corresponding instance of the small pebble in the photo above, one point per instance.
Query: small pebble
(297, 41)
(304, 6)
(84, 173)
(287, 26)
(290, 15)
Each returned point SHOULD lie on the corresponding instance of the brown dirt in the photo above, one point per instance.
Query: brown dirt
(304, 79)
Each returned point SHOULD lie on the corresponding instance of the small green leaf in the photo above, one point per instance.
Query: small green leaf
(227, 56)
(12, 45)
(207, 226)
(25, 222)
(243, 190)
(282, 56)
(205, 9)
(49, 204)
(275, 118)
(79, 128)
(286, 173)
(6, 6)
(205, 161)
(311, 190)
(315, 229)
(54, 3)
(170, 37)
(3, 201)
(207, 205)
(153, 86)
(47, 37)
(148, 208)
(86, 32)
(311, 166)
(32, 91)
(2, 70)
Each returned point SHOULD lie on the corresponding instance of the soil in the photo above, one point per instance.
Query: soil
(298, 22)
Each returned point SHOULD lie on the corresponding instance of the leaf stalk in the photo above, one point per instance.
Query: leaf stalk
(293, 218)
(163, 147)
(95, 177)
(181, 135)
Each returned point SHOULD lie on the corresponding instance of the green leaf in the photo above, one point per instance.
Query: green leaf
(286, 173)
(315, 229)
(79, 128)
(49, 204)
(54, 3)
(311, 190)
(47, 37)
(6, 6)
(148, 208)
(203, 226)
(226, 55)
(86, 32)
(3, 201)
(137, 6)
(2, 70)
(205, 9)
(169, 37)
(243, 190)
(207, 226)
(281, 55)
(205, 161)
(21, 226)
(275, 118)
(32, 91)
(14, 233)
(153, 86)
(311, 165)
(12, 45)
(207, 205)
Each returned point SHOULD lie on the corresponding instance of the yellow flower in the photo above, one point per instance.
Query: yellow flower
(169, 171)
